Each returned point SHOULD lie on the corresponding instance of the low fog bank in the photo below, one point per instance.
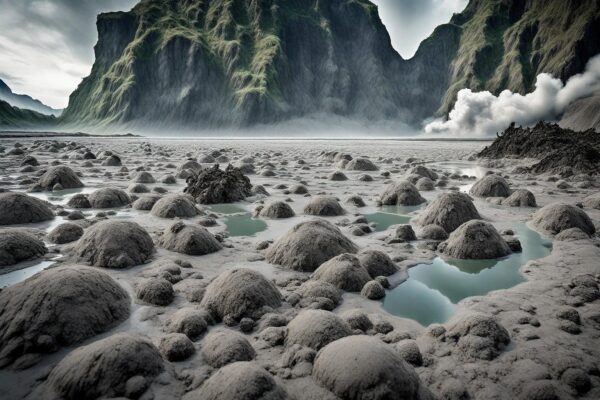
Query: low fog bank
(481, 114)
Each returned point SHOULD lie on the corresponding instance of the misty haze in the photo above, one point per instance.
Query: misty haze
(299, 199)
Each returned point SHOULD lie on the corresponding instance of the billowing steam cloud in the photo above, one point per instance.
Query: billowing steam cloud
(483, 114)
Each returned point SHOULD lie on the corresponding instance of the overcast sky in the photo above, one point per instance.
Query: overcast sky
(46, 46)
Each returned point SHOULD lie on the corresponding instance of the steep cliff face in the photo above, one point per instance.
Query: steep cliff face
(238, 62)
(505, 44)
(214, 63)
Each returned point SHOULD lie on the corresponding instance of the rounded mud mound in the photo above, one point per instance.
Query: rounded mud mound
(557, 217)
(477, 336)
(377, 372)
(475, 240)
(324, 206)
(18, 245)
(308, 245)
(19, 208)
(65, 233)
(277, 209)
(344, 272)
(223, 346)
(449, 210)
(361, 164)
(59, 175)
(402, 193)
(520, 198)
(316, 329)
(58, 307)
(175, 205)
(114, 244)
(240, 293)
(189, 239)
(214, 186)
(240, 381)
(109, 198)
(491, 186)
(105, 368)
(377, 263)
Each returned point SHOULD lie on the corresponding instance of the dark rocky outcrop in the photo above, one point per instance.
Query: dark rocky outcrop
(214, 185)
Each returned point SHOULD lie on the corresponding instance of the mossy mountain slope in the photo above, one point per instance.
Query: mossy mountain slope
(14, 117)
(214, 63)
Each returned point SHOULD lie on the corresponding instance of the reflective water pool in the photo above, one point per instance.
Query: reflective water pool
(431, 292)
(238, 220)
(17, 276)
(391, 215)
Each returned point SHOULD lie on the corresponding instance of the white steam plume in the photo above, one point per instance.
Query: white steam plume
(483, 114)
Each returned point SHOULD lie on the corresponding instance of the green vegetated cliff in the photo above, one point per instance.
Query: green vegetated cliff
(13, 117)
(208, 63)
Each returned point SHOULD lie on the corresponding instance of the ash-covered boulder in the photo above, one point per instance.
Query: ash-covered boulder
(308, 245)
(58, 307)
(361, 164)
(144, 177)
(592, 201)
(114, 244)
(476, 240)
(189, 239)
(157, 291)
(18, 245)
(344, 272)
(401, 193)
(213, 185)
(477, 336)
(19, 208)
(324, 206)
(108, 198)
(313, 290)
(145, 202)
(491, 186)
(175, 205)
(65, 233)
(425, 184)
(224, 346)
(373, 290)
(79, 200)
(424, 172)
(104, 368)
(316, 329)
(433, 232)
(557, 217)
(240, 293)
(61, 175)
(244, 380)
(377, 263)
(176, 347)
(277, 209)
(189, 321)
(520, 198)
(112, 160)
(449, 210)
(377, 372)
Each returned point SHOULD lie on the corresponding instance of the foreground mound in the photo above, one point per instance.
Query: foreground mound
(316, 329)
(174, 205)
(557, 217)
(115, 244)
(344, 272)
(449, 210)
(108, 198)
(240, 293)
(18, 245)
(104, 368)
(240, 381)
(18, 208)
(401, 193)
(213, 185)
(559, 150)
(308, 245)
(491, 186)
(224, 346)
(377, 372)
(477, 336)
(475, 240)
(189, 239)
(58, 307)
(62, 176)
(324, 206)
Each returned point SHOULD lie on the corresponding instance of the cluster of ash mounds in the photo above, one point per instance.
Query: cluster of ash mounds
(560, 151)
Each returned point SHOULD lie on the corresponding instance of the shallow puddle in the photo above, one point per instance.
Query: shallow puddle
(391, 215)
(469, 168)
(19, 275)
(238, 220)
(432, 290)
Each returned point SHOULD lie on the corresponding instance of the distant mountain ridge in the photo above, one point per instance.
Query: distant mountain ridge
(14, 117)
(24, 101)
(235, 63)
